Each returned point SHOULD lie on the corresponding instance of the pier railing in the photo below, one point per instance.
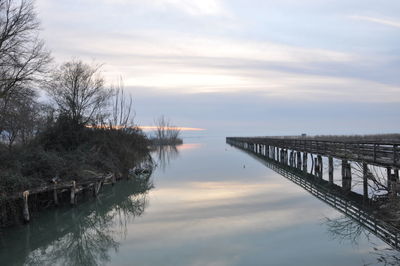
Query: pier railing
(384, 153)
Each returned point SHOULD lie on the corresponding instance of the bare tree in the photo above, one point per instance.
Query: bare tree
(122, 111)
(166, 133)
(78, 90)
(22, 54)
(23, 118)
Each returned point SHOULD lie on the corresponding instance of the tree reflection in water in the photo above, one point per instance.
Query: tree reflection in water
(90, 232)
(165, 154)
(344, 228)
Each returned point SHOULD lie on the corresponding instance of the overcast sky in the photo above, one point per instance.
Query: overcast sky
(242, 67)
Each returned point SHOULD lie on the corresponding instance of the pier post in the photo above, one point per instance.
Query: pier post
(346, 176)
(365, 183)
(389, 178)
(286, 157)
(330, 162)
(291, 158)
(97, 187)
(305, 155)
(279, 155)
(55, 196)
(320, 166)
(395, 181)
(316, 166)
(113, 179)
(25, 211)
(73, 188)
(299, 160)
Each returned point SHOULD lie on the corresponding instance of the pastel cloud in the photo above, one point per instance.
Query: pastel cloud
(382, 21)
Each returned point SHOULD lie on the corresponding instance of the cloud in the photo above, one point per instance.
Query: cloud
(191, 7)
(387, 22)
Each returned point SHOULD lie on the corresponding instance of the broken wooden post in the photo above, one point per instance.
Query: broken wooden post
(330, 162)
(73, 189)
(305, 155)
(25, 211)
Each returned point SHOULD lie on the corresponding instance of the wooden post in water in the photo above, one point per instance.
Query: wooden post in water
(299, 160)
(389, 178)
(305, 155)
(73, 188)
(346, 176)
(291, 160)
(25, 211)
(279, 154)
(365, 183)
(97, 187)
(396, 181)
(316, 166)
(286, 157)
(320, 166)
(330, 162)
(55, 196)
(113, 179)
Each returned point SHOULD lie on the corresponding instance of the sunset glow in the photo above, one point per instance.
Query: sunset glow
(151, 128)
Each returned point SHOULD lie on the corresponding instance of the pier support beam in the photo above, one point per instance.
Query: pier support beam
(316, 168)
(365, 183)
(25, 210)
(346, 176)
(330, 162)
(291, 159)
(305, 155)
(393, 179)
(286, 157)
(55, 196)
(73, 189)
(320, 166)
(299, 160)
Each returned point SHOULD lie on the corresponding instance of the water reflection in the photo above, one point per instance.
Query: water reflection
(344, 228)
(165, 154)
(84, 235)
(357, 222)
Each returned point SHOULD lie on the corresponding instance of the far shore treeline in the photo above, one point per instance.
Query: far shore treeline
(85, 129)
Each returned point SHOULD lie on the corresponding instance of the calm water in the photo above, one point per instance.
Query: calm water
(211, 205)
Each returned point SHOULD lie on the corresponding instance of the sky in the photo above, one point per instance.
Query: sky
(241, 67)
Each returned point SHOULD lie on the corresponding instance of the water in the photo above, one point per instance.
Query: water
(211, 204)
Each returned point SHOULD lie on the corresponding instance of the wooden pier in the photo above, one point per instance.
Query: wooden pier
(299, 151)
(292, 164)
